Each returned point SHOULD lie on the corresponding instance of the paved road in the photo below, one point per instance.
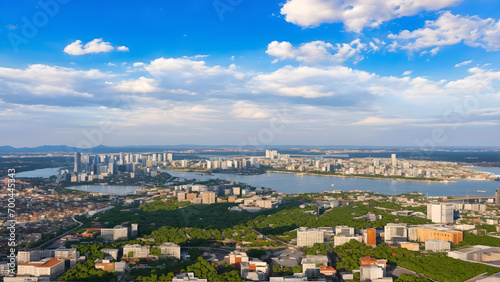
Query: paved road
(65, 233)
(280, 241)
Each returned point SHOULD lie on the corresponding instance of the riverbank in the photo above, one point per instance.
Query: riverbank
(366, 177)
(207, 172)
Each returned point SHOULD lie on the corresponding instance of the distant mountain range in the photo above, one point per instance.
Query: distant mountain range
(100, 149)
(159, 148)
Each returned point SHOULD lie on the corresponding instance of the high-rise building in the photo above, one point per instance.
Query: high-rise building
(170, 157)
(394, 161)
(208, 198)
(497, 197)
(271, 154)
(78, 162)
(370, 237)
(440, 213)
(135, 229)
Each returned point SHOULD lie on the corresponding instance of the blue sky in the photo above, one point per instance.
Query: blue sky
(309, 72)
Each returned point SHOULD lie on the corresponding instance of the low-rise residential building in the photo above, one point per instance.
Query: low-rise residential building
(254, 270)
(288, 279)
(187, 277)
(311, 265)
(288, 258)
(477, 253)
(236, 258)
(339, 240)
(170, 250)
(437, 246)
(425, 232)
(371, 272)
(110, 252)
(114, 234)
(328, 271)
(409, 246)
(344, 230)
(395, 232)
(51, 267)
(136, 251)
(372, 269)
(104, 264)
(307, 237)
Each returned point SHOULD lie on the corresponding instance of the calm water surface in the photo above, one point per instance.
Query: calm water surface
(106, 189)
(293, 183)
(44, 173)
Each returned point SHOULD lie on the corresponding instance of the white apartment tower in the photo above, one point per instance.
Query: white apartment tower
(440, 213)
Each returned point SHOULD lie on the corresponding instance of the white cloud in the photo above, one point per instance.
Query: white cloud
(48, 81)
(356, 14)
(406, 73)
(183, 66)
(317, 51)
(388, 121)
(93, 47)
(451, 29)
(122, 49)
(322, 99)
(434, 51)
(305, 91)
(312, 82)
(463, 63)
(141, 85)
(249, 110)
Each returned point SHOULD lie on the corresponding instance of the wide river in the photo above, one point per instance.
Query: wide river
(106, 189)
(294, 183)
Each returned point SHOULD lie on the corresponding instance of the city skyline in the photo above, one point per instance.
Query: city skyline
(261, 73)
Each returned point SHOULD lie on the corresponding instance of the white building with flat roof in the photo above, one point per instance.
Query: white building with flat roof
(437, 246)
(255, 270)
(50, 267)
(136, 251)
(187, 277)
(114, 234)
(344, 230)
(307, 237)
(339, 240)
(395, 232)
(440, 212)
(170, 250)
(311, 264)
